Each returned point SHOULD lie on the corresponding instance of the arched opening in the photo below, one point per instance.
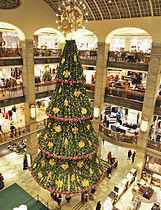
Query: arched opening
(85, 39)
(48, 38)
(129, 39)
(87, 45)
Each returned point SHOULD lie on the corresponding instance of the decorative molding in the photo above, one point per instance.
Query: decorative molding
(9, 4)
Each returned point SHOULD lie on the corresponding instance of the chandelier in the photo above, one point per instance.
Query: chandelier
(71, 16)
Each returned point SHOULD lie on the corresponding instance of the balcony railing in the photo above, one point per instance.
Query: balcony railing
(129, 139)
(10, 52)
(39, 52)
(127, 94)
(44, 87)
(134, 57)
(19, 132)
(7, 93)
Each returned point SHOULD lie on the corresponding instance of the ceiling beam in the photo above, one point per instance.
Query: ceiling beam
(108, 9)
(128, 8)
(139, 8)
(117, 9)
(151, 7)
(98, 9)
(90, 10)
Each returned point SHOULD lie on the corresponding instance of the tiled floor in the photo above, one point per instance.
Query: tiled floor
(11, 167)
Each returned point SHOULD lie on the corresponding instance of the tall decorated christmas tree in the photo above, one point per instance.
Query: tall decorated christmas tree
(68, 162)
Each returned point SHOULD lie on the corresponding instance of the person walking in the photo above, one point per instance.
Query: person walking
(98, 207)
(129, 154)
(133, 156)
(109, 170)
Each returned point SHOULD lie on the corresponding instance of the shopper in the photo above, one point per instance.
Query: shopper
(1, 181)
(59, 200)
(129, 154)
(1, 128)
(25, 165)
(10, 114)
(68, 198)
(103, 141)
(109, 170)
(138, 116)
(12, 128)
(133, 156)
(98, 207)
(109, 156)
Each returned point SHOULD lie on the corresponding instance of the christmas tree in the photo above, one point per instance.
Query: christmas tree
(68, 162)
(46, 77)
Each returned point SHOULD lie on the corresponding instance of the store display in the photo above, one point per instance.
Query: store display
(18, 147)
(156, 180)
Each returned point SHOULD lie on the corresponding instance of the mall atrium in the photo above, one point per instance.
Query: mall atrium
(80, 113)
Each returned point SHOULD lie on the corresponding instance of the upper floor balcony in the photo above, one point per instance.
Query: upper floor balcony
(119, 60)
(126, 98)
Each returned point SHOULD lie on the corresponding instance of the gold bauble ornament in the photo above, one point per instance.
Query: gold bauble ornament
(64, 166)
(66, 142)
(60, 90)
(75, 58)
(77, 93)
(49, 175)
(97, 161)
(58, 128)
(50, 144)
(88, 126)
(39, 175)
(45, 136)
(84, 110)
(35, 164)
(75, 130)
(81, 144)
(85, 183)
(90, 171)
(66, 73)
(73, 178)
(66, 102)
(80, 164)
(56, 110)
(51, 162)
(90, 144)
(63, 60)
(49, 125)
(59, 183)
(42, 163)
(100, 171)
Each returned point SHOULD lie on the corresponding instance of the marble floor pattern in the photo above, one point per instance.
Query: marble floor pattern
(11, 167)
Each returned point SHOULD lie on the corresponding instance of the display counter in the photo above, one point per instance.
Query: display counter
(156, 180)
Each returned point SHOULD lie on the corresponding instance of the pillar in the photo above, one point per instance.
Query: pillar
(127, 43)
(151, 92)
(100, 84)
(29, 92)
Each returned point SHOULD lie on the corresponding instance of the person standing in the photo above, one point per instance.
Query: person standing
(1, 129)
(109, 156)
(133, 157)
(138, 116)
(98, 207)
(103, 141)
(109, 170)
(129, 154)
(1, 182)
